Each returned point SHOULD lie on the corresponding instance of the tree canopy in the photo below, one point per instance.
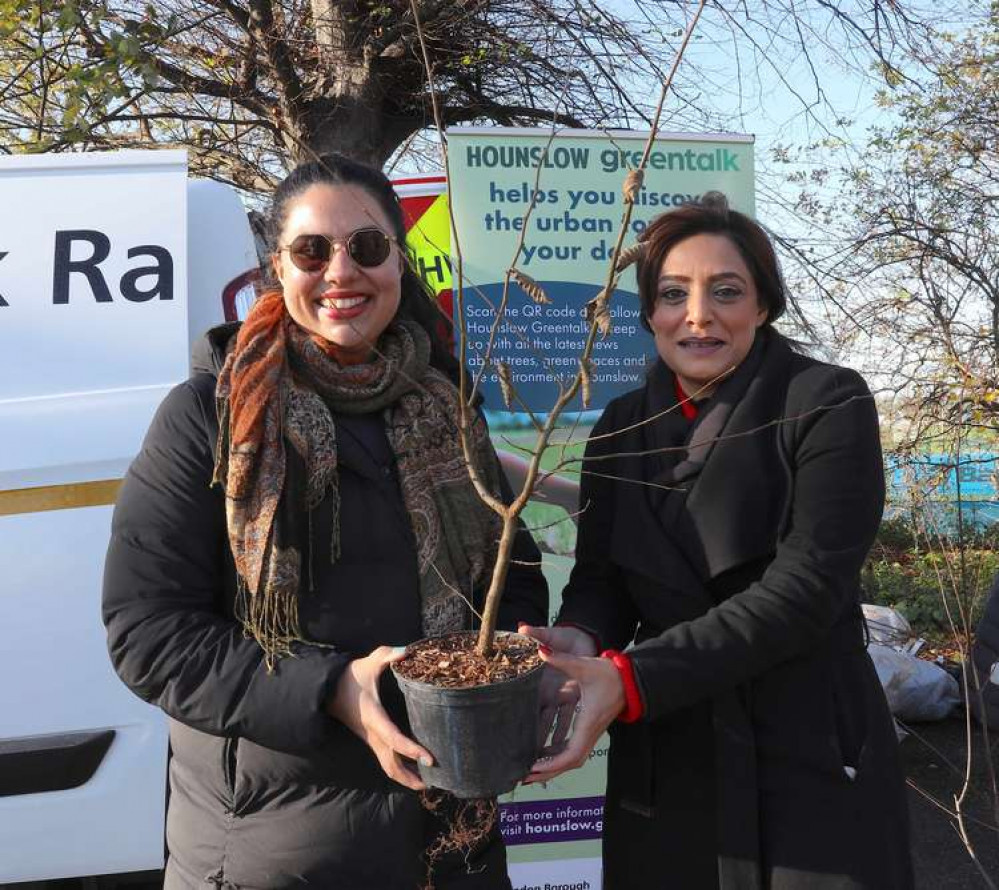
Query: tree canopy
(922, 255)
(251, 85)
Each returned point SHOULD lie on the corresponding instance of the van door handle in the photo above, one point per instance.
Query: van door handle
(36, 764)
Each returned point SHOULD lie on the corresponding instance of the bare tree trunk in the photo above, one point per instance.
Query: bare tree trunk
(355, 127)
(350, 109)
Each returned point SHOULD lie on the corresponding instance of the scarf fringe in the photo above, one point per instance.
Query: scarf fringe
(272, 620)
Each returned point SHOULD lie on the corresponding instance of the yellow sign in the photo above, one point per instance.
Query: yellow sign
(429, 246)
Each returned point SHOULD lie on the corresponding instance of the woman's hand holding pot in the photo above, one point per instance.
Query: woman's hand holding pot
(357, 705)
(559, 695)
(601, 700)
(565, 638)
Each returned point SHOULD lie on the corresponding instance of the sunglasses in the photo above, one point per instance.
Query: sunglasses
(366, 247)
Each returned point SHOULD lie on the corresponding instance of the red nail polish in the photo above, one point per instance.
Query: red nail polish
(544, 649)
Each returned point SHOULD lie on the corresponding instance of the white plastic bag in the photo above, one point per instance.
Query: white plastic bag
(916, 690)
(886, 626)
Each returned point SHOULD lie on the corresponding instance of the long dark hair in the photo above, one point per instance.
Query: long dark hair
(712, 216)
(416, 303)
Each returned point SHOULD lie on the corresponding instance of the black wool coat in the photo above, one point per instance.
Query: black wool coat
(266, 789)
(766, 757)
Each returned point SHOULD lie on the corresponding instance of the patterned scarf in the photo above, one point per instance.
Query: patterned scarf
(277, 460)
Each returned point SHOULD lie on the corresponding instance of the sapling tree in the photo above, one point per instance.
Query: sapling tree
(598, 315)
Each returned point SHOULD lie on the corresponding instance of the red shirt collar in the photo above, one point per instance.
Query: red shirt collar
(687, 406)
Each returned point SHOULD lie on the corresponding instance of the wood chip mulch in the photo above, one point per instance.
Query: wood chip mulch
(451, 661)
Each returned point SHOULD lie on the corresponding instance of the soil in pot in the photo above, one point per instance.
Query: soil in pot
(477, 716)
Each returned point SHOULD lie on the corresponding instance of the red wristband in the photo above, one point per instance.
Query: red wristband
(633, 707)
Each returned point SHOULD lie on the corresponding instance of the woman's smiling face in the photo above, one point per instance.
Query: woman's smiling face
(347, 304)
(707, 311)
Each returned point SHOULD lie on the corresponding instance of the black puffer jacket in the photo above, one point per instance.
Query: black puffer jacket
(267, 790)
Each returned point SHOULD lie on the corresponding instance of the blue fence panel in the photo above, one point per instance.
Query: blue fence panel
(941, 485)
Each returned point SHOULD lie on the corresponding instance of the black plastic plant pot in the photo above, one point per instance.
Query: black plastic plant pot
(483, 738)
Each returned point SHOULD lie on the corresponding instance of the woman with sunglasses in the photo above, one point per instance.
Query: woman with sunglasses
(299, 510)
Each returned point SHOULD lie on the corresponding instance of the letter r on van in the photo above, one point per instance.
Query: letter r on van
(64, 266)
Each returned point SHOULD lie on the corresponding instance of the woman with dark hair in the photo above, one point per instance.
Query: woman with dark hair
(301, 506)
(727, 508)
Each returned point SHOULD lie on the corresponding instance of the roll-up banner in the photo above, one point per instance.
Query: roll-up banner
(552, 206)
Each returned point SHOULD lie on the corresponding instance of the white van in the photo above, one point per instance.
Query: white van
(110, 266)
